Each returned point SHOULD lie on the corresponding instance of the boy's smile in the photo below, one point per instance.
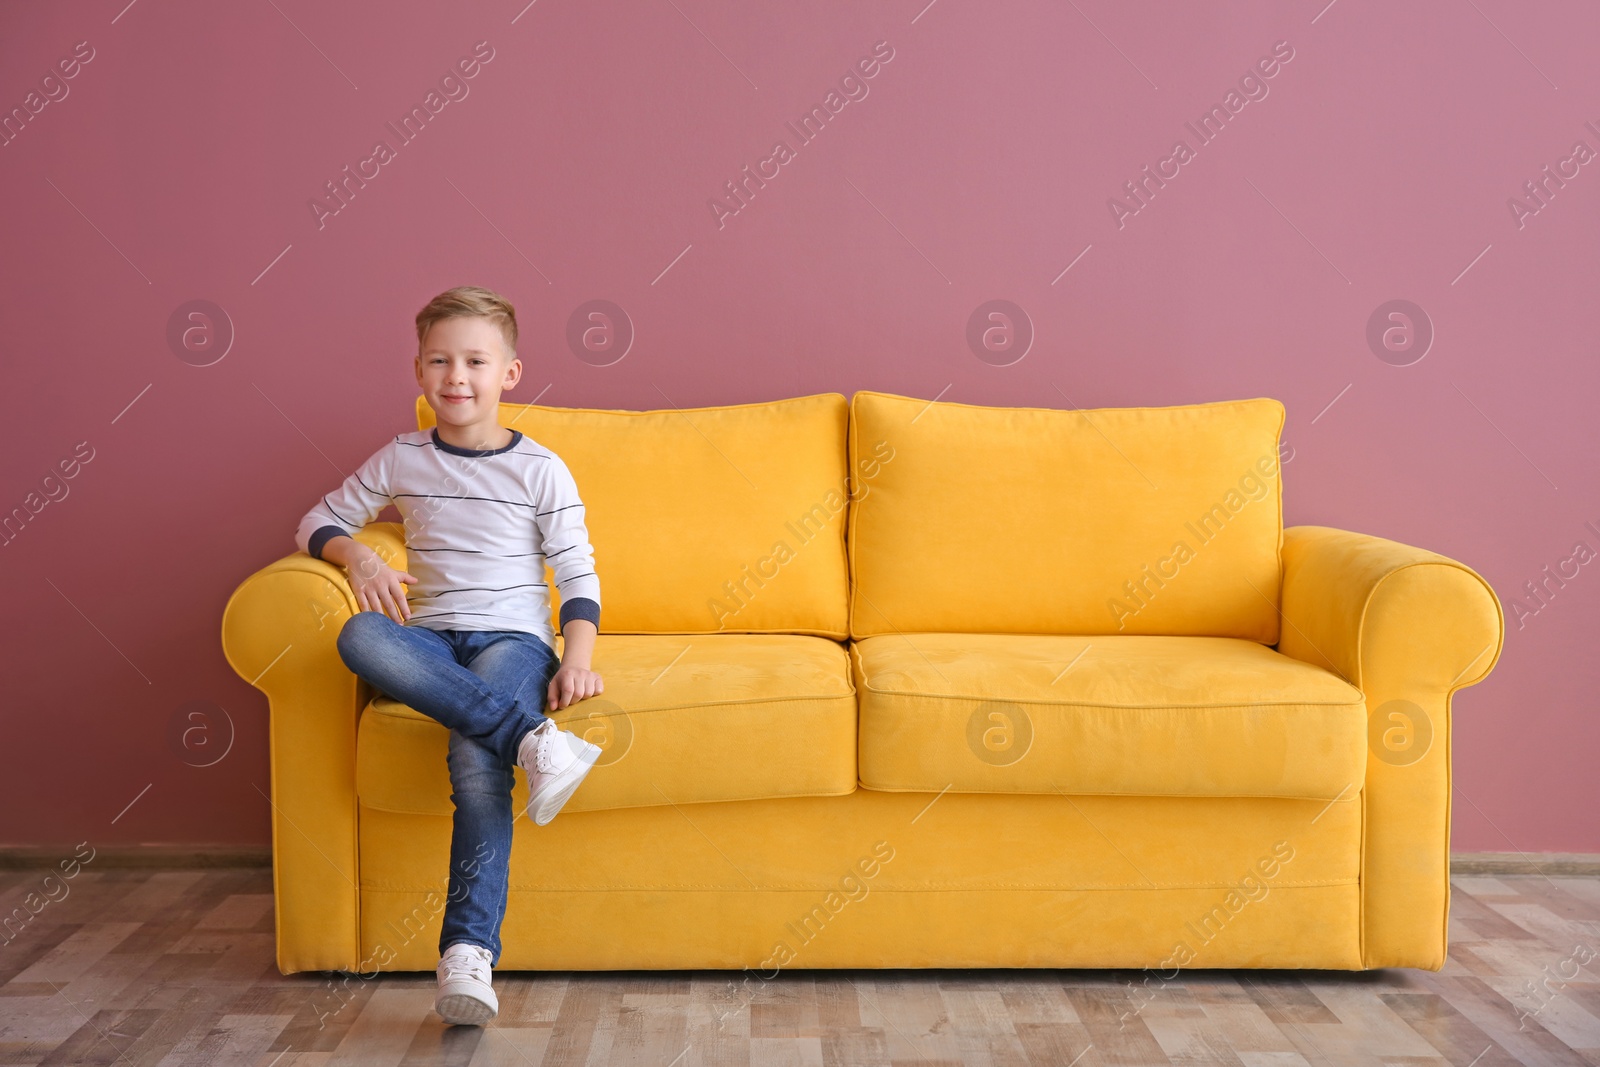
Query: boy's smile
(462, 370)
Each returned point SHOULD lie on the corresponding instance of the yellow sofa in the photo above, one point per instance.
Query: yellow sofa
(897, 683)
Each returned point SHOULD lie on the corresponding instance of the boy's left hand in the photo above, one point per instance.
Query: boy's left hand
(572, 684)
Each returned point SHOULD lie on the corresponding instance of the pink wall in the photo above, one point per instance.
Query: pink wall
(180, 163)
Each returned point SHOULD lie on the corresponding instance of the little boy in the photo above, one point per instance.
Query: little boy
(485, 509)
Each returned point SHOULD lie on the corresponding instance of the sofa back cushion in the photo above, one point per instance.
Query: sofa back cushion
(707, 520)
(969, 519)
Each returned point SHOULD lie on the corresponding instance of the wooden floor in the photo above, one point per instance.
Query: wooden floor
(176, 967)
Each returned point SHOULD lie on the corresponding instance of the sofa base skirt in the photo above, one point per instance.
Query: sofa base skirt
(759, 933)
(871, 880)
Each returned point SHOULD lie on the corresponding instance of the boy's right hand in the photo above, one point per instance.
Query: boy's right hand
(379, 587)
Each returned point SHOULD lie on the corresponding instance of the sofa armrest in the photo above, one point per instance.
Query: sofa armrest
(1408, 627)
(278, 633)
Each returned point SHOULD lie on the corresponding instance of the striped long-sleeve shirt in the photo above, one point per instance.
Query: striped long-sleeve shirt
(480, 524)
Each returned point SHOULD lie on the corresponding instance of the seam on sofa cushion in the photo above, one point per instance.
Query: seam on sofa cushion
(417, 716)
(669, 804)
(1360, 700)
(1056, 792)
(694, 887)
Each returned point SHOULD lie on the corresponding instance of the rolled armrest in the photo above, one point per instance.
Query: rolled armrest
(278, 633)
(1408, 627)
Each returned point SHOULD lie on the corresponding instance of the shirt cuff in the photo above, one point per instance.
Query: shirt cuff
(580, 608)
(322, 536)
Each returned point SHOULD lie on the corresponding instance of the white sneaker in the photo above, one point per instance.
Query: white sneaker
(465, 996)
(556, 762)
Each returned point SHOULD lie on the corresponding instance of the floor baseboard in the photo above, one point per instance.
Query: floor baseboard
(1582, 864)
(18, 857)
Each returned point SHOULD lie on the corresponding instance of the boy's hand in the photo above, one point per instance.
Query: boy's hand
(379, 587)
(572, 684)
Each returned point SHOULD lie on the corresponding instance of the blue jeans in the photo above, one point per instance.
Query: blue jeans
(488, 687)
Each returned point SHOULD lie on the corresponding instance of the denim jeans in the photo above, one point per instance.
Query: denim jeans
(488, 687)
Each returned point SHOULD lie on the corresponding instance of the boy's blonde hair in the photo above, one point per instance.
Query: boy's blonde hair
(472, 300)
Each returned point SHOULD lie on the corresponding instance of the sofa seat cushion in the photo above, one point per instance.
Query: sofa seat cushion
(682, 720)
(1144, 715)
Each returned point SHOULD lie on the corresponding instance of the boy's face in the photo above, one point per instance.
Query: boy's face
(463, 367)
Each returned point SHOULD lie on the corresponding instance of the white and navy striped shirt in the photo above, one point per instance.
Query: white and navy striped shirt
(480, 524)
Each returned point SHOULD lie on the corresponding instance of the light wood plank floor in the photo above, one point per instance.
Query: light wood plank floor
(175, 967)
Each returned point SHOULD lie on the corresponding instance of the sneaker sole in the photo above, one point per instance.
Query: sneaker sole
(459, 1009)
(545, 806)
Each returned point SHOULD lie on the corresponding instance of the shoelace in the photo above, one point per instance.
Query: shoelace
(473, 963)
(544, 752)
